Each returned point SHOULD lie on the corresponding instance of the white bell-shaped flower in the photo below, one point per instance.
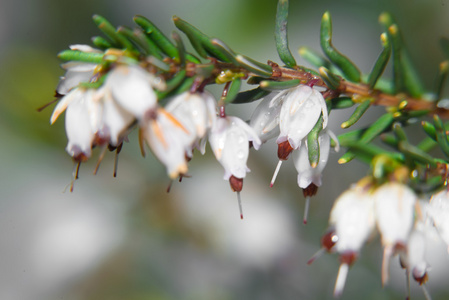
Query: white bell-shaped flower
(416, 253)
(197, 112)
(229, 139)
(76, 72)
(168, 140)
(306, 173)
(352, 218)
(78, 126)
(132, 88)
(301, 108)
(265, 118)
(438, 211)
(394, 208)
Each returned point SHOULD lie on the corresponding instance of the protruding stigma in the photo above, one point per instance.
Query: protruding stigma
(117, 152)
(341, 279)
(276, 171)
(306, 209)
(240, 205)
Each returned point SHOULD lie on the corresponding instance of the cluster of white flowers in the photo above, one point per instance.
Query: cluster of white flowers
(401, 219)
(291, 115)
(125, 98)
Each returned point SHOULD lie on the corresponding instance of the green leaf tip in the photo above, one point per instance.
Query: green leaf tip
(348, 68)
(281, 37)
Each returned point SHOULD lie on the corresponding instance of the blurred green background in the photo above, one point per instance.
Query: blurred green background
(125, 237)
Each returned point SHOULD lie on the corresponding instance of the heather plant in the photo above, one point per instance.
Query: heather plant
(140, 79)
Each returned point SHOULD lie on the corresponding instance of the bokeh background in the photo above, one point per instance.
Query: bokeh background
(125, 237)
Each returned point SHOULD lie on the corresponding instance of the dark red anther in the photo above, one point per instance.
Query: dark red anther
(348, 257)
(222, 111)
(284, 150)
(329, 240)
(420, 278)
(312, 82)
(151, 114)
(311, 190)
(236, 183)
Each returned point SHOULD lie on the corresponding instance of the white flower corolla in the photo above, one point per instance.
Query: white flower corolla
(229, 139)
(416, 252)
(394, 207)
(352, 216)
(301, 108)
(265, 118)
(78, 126)
(168, 139)
(131, 87)
(76, 72)
(306, 173)
(438, 211)
(197, 112)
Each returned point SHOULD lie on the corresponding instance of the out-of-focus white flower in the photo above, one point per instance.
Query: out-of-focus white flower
(306, 173)
(265, 118)
(394, 208)
(76, 72)
(352, 217)
(78, 125)
(301, 108)
(416, 252)
(132, 88)
(197, 112)
(438, 211)
(102, 116)
(229, 140)
(168, 140)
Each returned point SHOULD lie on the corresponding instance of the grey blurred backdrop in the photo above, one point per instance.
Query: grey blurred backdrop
(125, 237)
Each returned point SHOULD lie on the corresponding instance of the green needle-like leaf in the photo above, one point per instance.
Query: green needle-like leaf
(270, 85)
(233, 90)
(157, 37)
(101, 42)
(281, 34)
(405, 75)
(379, 126)
(172, 84)
(313, 146)
(332, 81)
(415, 154)
(111, 32)
(348, 69)
(253, 66)
(442, 76)
(342, 103)
(441, 135)
(76, 55)
(201, 42)
(250, 96)
(381, 61)
(357, 114)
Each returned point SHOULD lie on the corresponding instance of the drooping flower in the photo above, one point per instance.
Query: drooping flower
(309, 178)
(131, 87)
(168, 140)
(102, 116)
(394, 208)
(438, 211)
(197, 113)
(352, 217)
(265, 118)
(77, 72)
(229, 139)
(300, 110)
